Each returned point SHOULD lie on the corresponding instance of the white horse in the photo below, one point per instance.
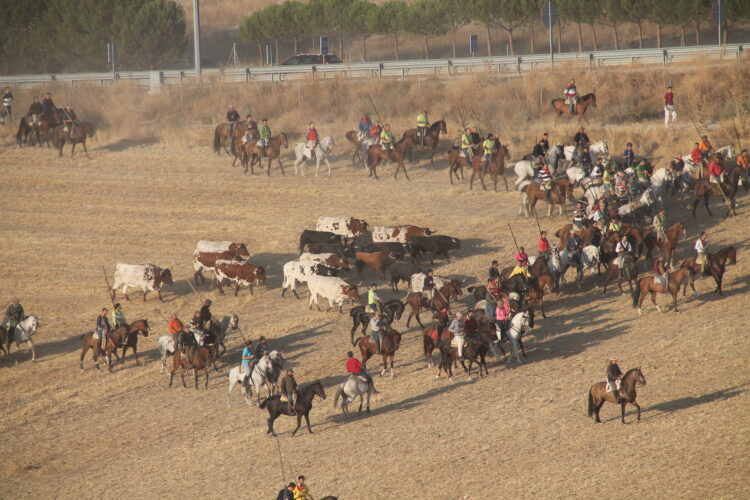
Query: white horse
(23, 331)
(349, 390)
(661, 179)
(554, 265)
(518, 325)
(596, 149)
(167, 347)
(322, 150)
(589, 260)
(265, 373)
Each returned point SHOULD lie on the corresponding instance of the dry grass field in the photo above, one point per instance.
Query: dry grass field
(522, 432)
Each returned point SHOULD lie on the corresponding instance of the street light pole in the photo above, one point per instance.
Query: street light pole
(197, 37)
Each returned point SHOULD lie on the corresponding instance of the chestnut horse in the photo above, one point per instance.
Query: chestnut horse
(560, 191)
(704, 188)
(431, 138)
(376, 154)
(440, 299)
(629, 271)
(76, 134)
(598, 394)
(253, 152)
(223, 132)
(389, 343)
(114, 340)
(201, 359)
(430, 340)
(647, 285)
(560, 106)
(496, 166)
(716, 267)
(668, 246)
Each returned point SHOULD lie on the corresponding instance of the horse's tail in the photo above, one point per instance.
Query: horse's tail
(637, 292)
(217, 141)
(591, 403)
(339, 392)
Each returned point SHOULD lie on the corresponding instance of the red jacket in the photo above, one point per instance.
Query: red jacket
(353, 365)
(696, 155)
(543, 245)
(312, 134)
(669, 99)
(715, 169)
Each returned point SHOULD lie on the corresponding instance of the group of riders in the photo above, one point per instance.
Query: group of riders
(42, 110)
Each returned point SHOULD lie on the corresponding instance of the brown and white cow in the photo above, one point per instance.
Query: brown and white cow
(328, 259)
(402, 234)
(239, 273)
(208, 252)
(147, 277)
(378, 261)
(348, 227)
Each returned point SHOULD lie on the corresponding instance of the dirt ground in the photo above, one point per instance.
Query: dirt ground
(522, 432)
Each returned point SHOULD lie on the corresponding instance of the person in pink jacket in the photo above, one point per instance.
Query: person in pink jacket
(502, 315)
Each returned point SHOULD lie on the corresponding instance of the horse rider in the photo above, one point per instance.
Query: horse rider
(493, 272)
(356, 369)
(422, 124)
(614, 375)
(301, 491)
(69, 119)
(375, 132)
(545, 142)
(102, 328)
(596, 234)
(701, 247)
(7, 99)
(623, 250)
(545, 181)
(429, 284)
(743, 161)
(502, 318)
(312, 140)
(579, 216)
(660, 272)
(597, 170)
(287, 493)
(363, 127)
(573, 245)
(676, 166)
(265, 136)
(376, 326)
(387, 139)
(288, 389)
(522, 264)
(176, 329)
(715, 169)
(205, 315)
(571, 94)
(659, 222)
(470, 324)
(247, 360)
(614, 226)
(706, 147)
(233, 116)
(581, 138)
(261, 348)
(489, 149)
(14, 314)
(466, 145)
(457, 329)
(118, 320)
(586, 159)
(538, 151)
(608, 178)
(669, 110)
(641, 172)
(476, 140)
(696, 155)
(35, 111)
(628, 156)
(490, 301)
(373, 301)
(543, 246)
(48, 106)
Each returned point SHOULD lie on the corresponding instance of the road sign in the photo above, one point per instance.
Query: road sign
(719, 12)
(473, 44)
(549, 14)
(324, 45)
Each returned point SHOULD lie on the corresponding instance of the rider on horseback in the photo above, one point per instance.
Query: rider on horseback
(265, 136)
(118, 320)
(312, 140)
(614, 226)
(573, 245)
(628, 156)
(48, 106)
(176, 330)
(715, 169)
(457, 329)
(701, 246)
(522, 264)
(571, 93)
(614, 376)
(387, 139)
(356, 369)
(288, 389)
(705, 147)
(248, 358)
(581, 138)
(422, 124)
(376, 326)
(502, 318)
(233, 116)
(35, 111)
(545, 181)
(538, 152)
(13, 315)
(102, 328)
(7, 100)
(373, 301)
(466, 144)
(429, 284)
(489, 149)
(660, 272)
(659, 222)
(623, 250)
(543, 245)
(205, 316)
(69, 119)
(363, 127)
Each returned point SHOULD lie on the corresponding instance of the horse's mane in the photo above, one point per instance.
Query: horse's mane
(588, 96)
(630, 371)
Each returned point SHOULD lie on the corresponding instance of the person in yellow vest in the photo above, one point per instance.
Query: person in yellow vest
(387, 139)
(466, 145)
(422, 123)
(301, 490)
(489, 149)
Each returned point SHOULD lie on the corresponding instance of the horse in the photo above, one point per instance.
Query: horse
(430, 140)
(647, 285)
(668, 245)
(218, 332)
(704, 188)
(360, 147)
(716, 267)
(302, 406)
(496, 166)
(560, 106)
(76, 134)
(590, 258)
(519, 323)
(322, 151)
(390, 341)
(552, 158)
(348, 391)
(200, 359)
(376, 154)
(557, 196)
(23, 332)
(90, 340)
(391, 311)
(536, 289)
(598, 394)
(475, 351)
(265, 373)
(222, 132)
(254, 154)
(440, 299)
(430, 339)
(26, 129)
(629, 271)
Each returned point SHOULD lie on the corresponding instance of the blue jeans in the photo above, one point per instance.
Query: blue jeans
(571, 104)
(489, 311)
(373, 307)
(375, 334)
(366, 376)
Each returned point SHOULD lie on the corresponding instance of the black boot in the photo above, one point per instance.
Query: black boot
(616, 395)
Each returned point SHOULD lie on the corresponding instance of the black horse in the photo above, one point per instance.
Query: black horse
(302, 406)
(392, 311)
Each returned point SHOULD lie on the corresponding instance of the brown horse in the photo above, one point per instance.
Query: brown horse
(431, 138)
(241, 147)
(537, 285)
(430, 340)
(647, 285)
(560, 106)
(201, 359)
(564, 231)
(376, 154)
(496, 166)
(389, 344)
(253, 153)
(558, 195)
(704, 188)
(223, 134)
(598, 394)
(76, 134)
(353, 137)
(475, 351)
(456, 164)
(440, 299)
(114, 340)
(668, 245)
(716, 267)
(26, 129)
(629, 271)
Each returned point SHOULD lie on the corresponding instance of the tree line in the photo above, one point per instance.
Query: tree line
(360, 19)
(48, 36)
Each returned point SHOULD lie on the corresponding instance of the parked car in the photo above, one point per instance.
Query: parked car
(312, 59)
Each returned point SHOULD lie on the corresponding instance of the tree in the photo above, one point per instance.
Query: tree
(426, 18)
(580, 12)
(335, 14)
(358, 21)
(513, 15)
(390, 19)
(636, 11)
(21, 49)
(487, 13)
(252, 30)
(153, 34)
(296, 21)
(660, 13)
(456, 16)
(612, 15)
(737, 11)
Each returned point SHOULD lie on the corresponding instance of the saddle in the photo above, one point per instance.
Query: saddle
(618, 384)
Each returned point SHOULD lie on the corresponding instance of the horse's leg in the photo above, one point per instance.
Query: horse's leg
(705, 201)
(270, 425)
(299, 424)
(638, 409)
(622, 411)
(205, 372)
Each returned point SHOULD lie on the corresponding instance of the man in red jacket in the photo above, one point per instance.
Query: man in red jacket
(354, 366)
(715, 170)
(312, 140)
(669, 110)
